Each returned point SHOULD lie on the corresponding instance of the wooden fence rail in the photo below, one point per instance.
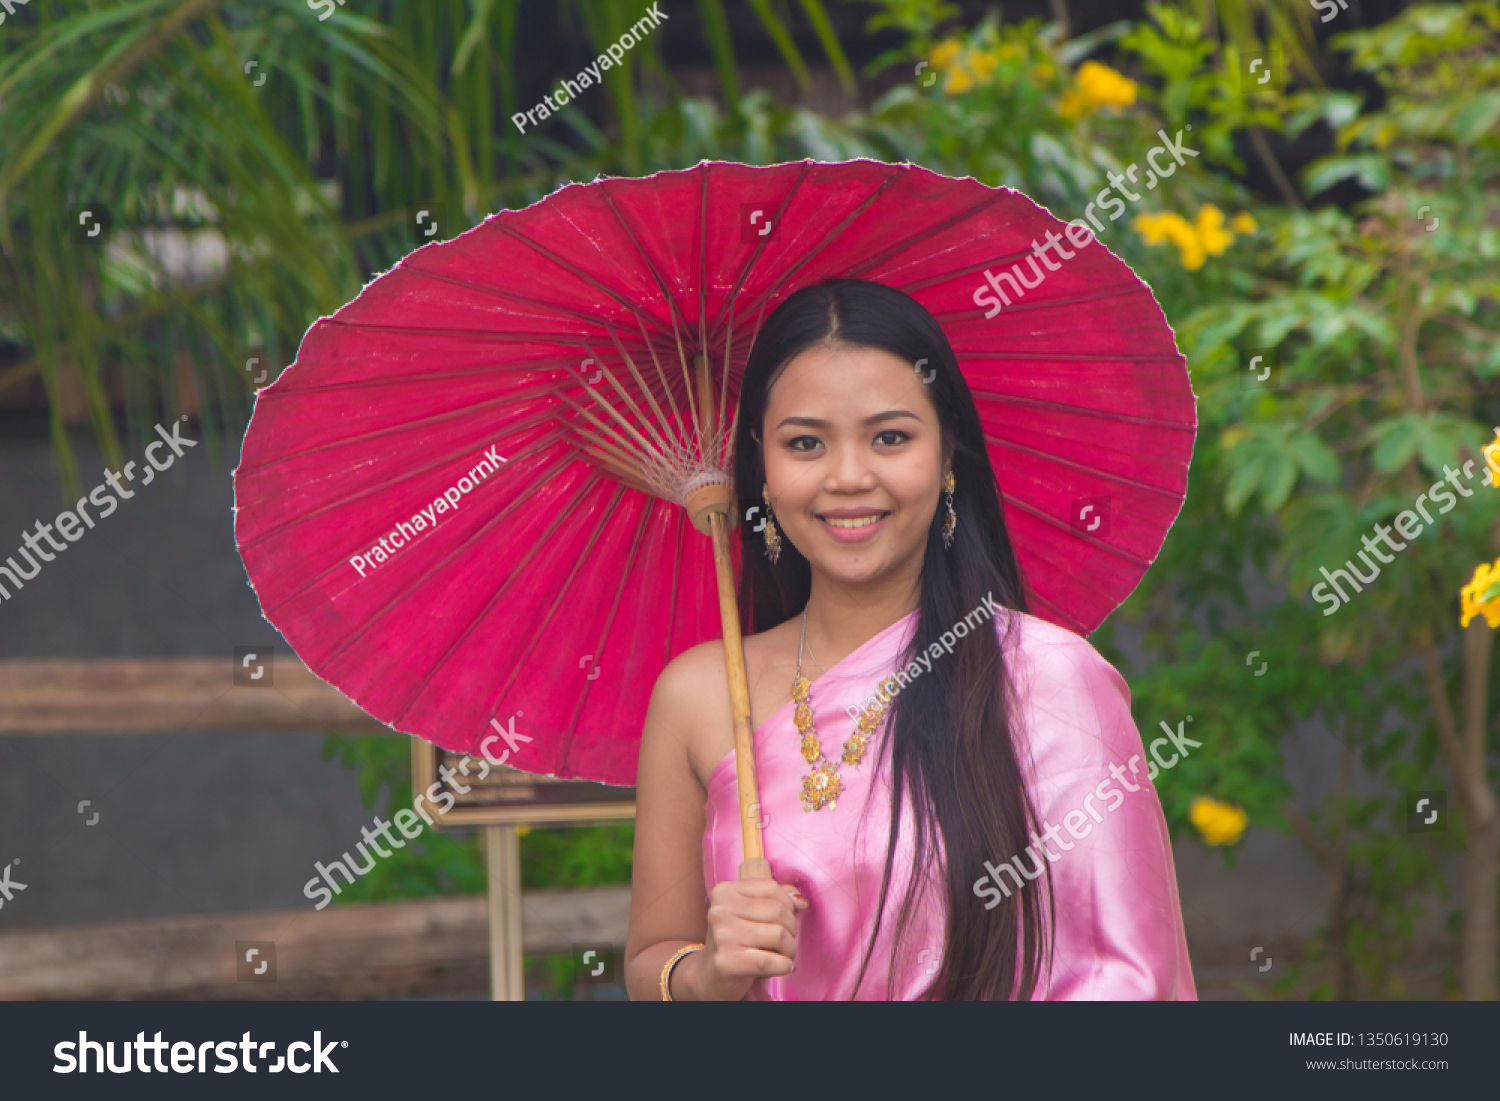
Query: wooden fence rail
(170, 695)
(394, 949)
(416, 948)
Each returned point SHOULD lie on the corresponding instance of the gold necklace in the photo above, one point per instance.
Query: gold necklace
(821, 787)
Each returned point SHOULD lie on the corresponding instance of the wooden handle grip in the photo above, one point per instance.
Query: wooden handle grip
(755, 868)
(739, 690)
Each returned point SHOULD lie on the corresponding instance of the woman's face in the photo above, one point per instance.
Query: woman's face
(854, 464)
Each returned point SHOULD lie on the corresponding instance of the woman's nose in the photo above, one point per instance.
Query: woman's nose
(851, 468)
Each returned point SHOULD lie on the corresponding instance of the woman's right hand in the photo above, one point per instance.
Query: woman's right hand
(752, 934)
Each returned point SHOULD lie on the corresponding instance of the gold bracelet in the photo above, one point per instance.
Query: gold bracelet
(666, 971)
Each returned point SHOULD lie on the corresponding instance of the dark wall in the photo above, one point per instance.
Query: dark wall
(188, 822)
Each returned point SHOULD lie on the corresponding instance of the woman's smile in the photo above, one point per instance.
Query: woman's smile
(853, 525)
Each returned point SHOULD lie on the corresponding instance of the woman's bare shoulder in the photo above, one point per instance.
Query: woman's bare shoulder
(686, 680)
(687, 677)
(690, 706)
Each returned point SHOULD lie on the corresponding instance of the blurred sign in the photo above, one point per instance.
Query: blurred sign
(505, 796)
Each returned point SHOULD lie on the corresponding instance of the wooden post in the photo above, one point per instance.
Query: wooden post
(502, 851)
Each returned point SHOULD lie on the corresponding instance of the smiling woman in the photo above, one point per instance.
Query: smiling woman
(886, 529)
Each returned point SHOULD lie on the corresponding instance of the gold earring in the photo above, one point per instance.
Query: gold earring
(951, 523)
(773, 537)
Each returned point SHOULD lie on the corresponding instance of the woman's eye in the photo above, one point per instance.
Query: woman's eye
(891, 437)
(803, 443)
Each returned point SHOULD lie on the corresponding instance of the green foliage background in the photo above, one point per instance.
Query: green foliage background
(450, 861)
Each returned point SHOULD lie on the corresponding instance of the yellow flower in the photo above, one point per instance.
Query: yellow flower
(522, 831)
(1102, 86)
(1072, 104)
(1095, 86)
(1481, 596)
(958, 81)
(1151, 227)
(1168, 226)
(945, 53)
(1219, 823)
(1243, 223)
(1205, 236)
(1491, 453)
(1010, 50)
(1211, 232)
(982, 63)
(1042, 72)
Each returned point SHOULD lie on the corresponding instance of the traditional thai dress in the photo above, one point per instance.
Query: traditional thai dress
(1118, 931)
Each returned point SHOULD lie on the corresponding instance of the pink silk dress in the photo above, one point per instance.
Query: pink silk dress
(1119, 932)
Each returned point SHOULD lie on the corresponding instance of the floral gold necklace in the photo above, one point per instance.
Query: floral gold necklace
(821, 787)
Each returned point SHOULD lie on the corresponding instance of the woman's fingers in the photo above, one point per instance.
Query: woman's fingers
(765, 888)
(772, 936)
(757, 888)
(764, 910)
(762, 901)
(762, 964)
(779, 935)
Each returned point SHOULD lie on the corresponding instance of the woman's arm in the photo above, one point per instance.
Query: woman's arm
(748, 928)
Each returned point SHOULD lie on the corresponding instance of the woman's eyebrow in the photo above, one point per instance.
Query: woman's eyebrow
(878, 418)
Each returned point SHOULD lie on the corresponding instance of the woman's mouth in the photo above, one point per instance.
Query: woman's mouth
(852, 525)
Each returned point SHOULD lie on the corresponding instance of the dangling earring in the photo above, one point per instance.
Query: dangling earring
(773, 537)
(951, 523)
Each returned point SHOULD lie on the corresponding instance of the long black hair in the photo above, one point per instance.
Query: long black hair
(949, 731)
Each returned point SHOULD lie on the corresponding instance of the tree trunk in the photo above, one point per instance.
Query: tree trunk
(1465, 751)
(1481, 824)
(1339, 883)
(1481, 876)
(1338, 930)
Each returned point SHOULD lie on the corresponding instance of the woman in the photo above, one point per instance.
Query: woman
(887, 803)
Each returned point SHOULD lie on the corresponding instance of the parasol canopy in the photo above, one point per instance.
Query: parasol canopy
(462, 505)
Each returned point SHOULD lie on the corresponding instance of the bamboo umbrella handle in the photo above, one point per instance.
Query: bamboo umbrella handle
(755, 866)
(712, 509)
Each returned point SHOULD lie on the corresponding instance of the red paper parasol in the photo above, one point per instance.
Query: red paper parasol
(537, 391)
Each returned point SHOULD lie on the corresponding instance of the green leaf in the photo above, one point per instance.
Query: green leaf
(783, 40)
(1315, 457)
(1398, 440)
(1242, 483)
(1336, 109)
(473, 36)
(1371, 170)
(1479, 117)
(1216, 325)
(1277, 482)
(829, 40)
(721, 45)
(1076, 49)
